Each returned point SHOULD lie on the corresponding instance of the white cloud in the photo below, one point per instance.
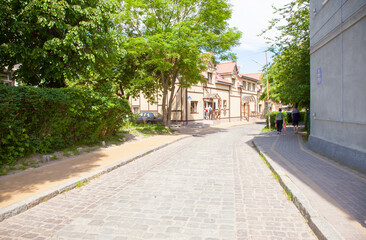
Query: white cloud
(251, 17)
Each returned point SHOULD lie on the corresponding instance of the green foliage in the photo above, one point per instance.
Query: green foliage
(289, 73)
(287, 117)
(57, 40)
(146, 129)
(172, 35)
(36, 120)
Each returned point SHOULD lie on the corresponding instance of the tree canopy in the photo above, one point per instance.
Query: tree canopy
(57, 40)
(122, 46)
(175, 33)
(289, 73)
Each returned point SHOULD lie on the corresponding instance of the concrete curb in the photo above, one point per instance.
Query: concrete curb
(30, 202)
(322, 229)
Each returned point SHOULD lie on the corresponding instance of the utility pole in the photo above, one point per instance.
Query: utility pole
(268, 109)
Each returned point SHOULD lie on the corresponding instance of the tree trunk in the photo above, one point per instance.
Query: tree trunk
(172, 93)
(165, 93)
(171, 102)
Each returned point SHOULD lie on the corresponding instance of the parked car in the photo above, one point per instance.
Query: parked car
(149, 117)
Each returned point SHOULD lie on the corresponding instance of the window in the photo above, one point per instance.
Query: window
(248, 86)
(253, 87)
(136, 110)
(224, 103)
(209, 77)
(194, 106)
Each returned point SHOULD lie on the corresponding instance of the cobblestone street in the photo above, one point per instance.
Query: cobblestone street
(210, 186)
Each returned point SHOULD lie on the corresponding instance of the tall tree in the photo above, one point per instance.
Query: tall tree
(289, 73)
(57, 40)
(175, 33)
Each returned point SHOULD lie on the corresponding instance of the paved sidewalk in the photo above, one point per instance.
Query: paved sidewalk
(331, 196)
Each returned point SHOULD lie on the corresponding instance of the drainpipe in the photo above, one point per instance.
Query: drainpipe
(229, 103)
(241, 103)
(268, 108)
(186, 106)
(342, 119)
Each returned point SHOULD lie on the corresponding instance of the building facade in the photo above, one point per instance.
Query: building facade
(338, 82)
(232, 96)
(6, 76)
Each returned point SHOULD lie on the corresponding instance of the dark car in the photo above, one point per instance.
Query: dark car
(149, 117)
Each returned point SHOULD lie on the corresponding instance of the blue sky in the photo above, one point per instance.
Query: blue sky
(251, 17)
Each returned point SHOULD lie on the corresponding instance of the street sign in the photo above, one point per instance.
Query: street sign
(319, 75)
(189, 98)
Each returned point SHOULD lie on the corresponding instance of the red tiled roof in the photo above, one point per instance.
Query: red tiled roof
(227, 67)
(257, 76)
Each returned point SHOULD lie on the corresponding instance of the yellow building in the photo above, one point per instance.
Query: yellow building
(232, 96)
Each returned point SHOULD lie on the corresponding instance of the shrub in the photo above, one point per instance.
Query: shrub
(287, 115)
(41, 120)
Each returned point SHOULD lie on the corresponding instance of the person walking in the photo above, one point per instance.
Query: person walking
(279, 121)
(210, 112)
(295, 119)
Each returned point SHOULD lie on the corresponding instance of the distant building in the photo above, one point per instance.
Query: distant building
(231, 95)
(6, 76)
(251, 81)
(338, 82)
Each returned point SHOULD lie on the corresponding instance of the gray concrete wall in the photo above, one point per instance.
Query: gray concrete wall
(338, 80)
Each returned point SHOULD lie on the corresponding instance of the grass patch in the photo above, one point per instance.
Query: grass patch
(146, 129)
(22, 168)
(266, 129)
(128, 128)
(75, 152)
(66, 154)
(305, 137)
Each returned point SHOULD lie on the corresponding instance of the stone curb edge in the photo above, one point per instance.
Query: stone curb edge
(30, 202)
(321, 228)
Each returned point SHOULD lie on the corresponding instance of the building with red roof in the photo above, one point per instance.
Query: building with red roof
(230, 95)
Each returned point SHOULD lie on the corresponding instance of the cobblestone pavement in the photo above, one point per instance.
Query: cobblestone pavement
(336, 192)
(211, 186)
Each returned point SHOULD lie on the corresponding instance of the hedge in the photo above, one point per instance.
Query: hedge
(39, 120)
(288, 117)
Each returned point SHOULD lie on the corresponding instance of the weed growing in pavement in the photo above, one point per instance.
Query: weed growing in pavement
(274, 174)
(288, 194)
(81, 183)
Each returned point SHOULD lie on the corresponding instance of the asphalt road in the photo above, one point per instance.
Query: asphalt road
(209, 186)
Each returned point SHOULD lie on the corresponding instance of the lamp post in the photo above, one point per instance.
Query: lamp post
(268, 108)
